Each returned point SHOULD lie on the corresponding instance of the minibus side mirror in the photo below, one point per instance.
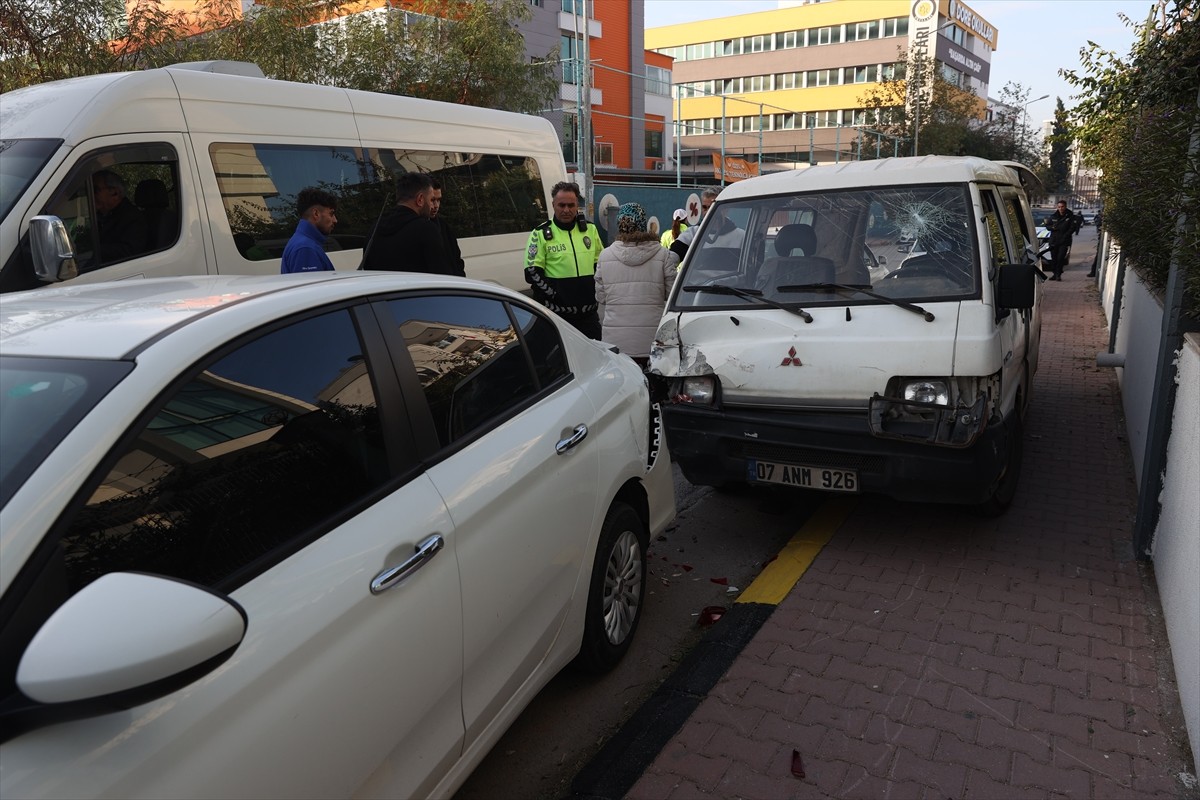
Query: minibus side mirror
(53, 257)
(1017, 286)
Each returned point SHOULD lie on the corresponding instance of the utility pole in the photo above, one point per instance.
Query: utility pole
(585, 117)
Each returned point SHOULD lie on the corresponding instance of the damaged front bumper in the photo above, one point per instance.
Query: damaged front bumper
(928, 423)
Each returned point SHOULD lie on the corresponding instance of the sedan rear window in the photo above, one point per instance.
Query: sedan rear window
(41, 400)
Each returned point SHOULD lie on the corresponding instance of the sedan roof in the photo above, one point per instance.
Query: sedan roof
(112, 320)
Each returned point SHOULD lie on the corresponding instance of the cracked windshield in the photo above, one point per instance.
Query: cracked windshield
(909, 243)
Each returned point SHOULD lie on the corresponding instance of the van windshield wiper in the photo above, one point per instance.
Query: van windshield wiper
(750, 294)
(808, 287)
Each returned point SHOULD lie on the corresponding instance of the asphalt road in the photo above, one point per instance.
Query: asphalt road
(716, 547)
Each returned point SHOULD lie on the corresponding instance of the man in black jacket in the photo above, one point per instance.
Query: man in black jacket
(449, 241)
(406, 239)
(1062, 226)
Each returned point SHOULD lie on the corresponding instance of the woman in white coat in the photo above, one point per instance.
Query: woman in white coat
(633, 278)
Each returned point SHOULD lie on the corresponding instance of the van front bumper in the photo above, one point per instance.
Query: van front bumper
(713, 447)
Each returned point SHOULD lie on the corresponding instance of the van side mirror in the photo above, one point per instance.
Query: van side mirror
(53, 256)
(1016, 286)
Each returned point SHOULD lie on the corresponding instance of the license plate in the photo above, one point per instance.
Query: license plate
(802, 476)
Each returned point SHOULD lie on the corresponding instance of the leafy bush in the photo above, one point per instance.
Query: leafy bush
(1139, 121)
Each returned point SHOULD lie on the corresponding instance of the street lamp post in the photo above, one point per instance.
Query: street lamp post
(1024, 121)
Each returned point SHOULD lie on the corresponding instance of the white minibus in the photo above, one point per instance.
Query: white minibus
(212, 154)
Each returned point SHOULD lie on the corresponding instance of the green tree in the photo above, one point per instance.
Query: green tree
(939, 121)
(1060, 142)
(1138, 119)
(461, 51)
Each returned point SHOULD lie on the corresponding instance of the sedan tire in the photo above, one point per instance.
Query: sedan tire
(617, 590)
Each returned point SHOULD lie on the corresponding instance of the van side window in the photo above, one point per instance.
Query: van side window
(1001, 245)
(120, 204)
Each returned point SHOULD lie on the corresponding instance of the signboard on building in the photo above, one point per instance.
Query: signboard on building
(955, 56)
(960, 12)
(922, 28)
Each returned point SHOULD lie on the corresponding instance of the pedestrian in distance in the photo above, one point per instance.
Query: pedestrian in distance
(1062, 226)
(305, 251)
(454, 259)
(633, 279)
(560, 261)
(678, 226)
(406, 239)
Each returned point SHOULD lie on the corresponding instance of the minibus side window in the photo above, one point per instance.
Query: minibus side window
(259, 184)
(120, 204)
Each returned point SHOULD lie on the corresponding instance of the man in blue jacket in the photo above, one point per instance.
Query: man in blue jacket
(305, 251)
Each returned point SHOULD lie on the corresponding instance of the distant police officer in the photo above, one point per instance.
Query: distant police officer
(560, 261)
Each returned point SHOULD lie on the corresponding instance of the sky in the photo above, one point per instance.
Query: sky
(1036, 37)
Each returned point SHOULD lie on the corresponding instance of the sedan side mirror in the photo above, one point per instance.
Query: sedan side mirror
(125, 639)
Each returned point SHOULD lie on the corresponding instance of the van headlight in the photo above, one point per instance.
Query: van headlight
(927, 390)
(699, 390)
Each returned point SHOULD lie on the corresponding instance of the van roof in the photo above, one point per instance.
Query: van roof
(159, 100)
(880, 172)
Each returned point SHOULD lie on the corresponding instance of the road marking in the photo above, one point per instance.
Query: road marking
(778, 577)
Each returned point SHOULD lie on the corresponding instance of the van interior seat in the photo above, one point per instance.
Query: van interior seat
(789, 268)
(162, 225)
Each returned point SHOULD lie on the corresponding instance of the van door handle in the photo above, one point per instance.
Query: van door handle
(575, 438)
(391, 576)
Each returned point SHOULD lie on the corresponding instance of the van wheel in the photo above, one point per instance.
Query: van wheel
(1006, 487)
(616, 591)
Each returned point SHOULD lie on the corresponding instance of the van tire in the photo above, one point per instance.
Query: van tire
(617, 590)
(1006, 487)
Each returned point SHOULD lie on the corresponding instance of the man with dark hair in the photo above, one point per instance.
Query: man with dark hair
(305, 251)
(560, 261)
(454, 259)
(120, 225)
(406, 239)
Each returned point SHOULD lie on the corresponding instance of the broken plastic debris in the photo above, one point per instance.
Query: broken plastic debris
(685, 567)
(797, 764)
(710, 614)
(720, 581)
(732, 590)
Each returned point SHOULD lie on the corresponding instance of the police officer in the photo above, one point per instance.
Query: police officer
(560, 261)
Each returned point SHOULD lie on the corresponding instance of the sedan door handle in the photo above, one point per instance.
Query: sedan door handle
(575, 438)
(426, 550)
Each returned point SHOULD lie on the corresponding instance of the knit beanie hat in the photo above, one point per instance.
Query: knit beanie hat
(631, 218)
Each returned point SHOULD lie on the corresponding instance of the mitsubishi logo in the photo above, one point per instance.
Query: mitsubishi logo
(790, 359)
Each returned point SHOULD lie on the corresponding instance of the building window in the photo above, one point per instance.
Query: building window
(821, 77)
(867, 74)
(862, 31)
(658, 80)
(731, 47)
(759, 43)
(784, 122)
(571, 64)
(828, 35)
(786, 40)
(896, 26)
(654, 144)
(698, 51)
(604, 153)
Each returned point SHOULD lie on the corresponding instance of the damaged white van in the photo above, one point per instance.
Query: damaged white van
(864, 327)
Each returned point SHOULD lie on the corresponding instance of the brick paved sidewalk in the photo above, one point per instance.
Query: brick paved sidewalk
(928, 653)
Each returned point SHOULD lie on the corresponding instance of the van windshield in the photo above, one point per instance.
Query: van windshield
(20, 162)
(912, 243)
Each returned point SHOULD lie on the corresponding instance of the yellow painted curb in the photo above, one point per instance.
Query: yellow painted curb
(778, 577)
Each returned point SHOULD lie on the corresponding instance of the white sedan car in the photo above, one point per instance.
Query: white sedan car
(306, 535)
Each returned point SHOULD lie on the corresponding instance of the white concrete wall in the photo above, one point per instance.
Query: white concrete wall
(1177, 539)
(1137, 337)
(1176, 546)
